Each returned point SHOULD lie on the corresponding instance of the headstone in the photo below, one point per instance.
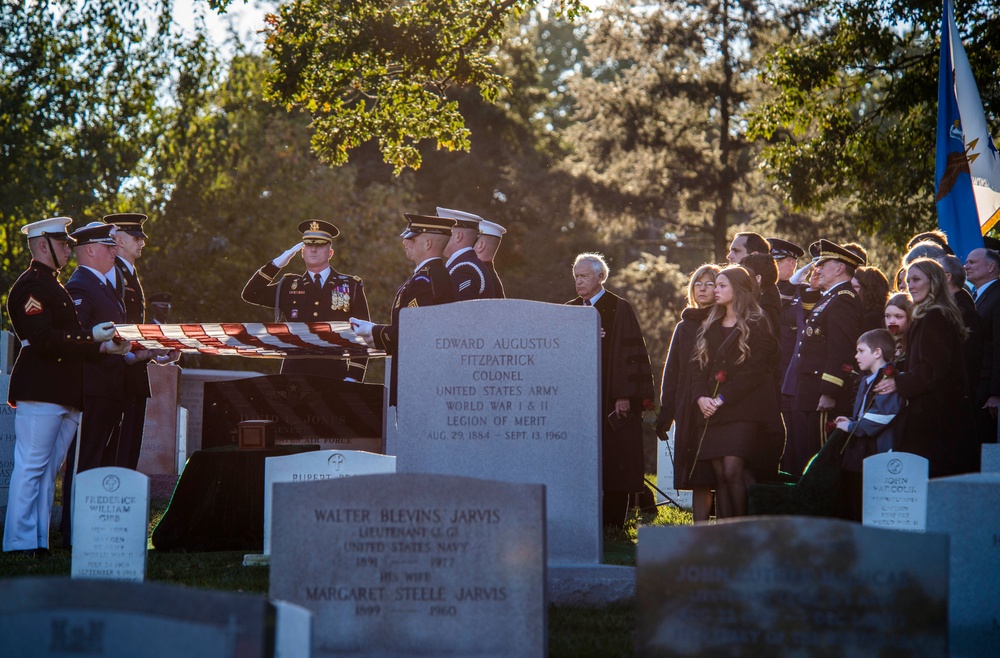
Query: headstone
(305, 409)
(966, 508)
(293, 632)
(59, 617)
(316, 466)
(665, 474)
(895, 491)
(191, 396)
(8, 352)
(6, 446)
(159, 435)
(182, 440)
(790, 586)
(991, 458)
(422, 565)
(110, 524)
(508, 389)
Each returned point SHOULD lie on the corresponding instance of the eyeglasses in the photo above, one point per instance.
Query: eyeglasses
(704, 284)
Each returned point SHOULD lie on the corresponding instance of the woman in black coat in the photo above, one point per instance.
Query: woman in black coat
(676, 406)
(732, 390)
(939, 418)
(873, 288)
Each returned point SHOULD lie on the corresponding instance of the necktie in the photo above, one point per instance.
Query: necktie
(586, 302)
(318, 280)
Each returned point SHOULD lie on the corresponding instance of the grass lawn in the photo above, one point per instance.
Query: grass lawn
(573, 631)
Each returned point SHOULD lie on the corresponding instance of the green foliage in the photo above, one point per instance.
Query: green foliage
(79, 85)
(382, 70)
(854, 111)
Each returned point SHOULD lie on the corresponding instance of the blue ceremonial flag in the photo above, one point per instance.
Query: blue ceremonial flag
(967, 171)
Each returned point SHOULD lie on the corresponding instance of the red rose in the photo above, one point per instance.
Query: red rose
(890, 371)
(647, 405)
(830, 426)
(847, 368)
(720, 377)
(893, 329)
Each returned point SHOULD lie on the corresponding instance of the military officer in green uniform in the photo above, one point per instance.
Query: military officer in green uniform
(321, 294)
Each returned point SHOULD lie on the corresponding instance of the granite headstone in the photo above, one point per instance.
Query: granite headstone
(665, 474)
(110, 524)
(895, 491)
(966, 508)
(191, 396)
(316, 466)
(45, 616)
(305, 410)
(159, 435)
(508, 389)
(422, 565)
(790, 586)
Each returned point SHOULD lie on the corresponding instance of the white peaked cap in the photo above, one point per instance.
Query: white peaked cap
(459, 215)
(54, 226)
(491, 228)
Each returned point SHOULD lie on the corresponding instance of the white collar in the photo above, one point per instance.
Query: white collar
(101, 276)
(415, 269)
(130, 266)
(323, 276)
(456, 255)
(593, 300)
(982, 288)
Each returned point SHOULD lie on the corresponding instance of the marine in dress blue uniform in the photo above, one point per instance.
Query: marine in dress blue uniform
(333, 297)
(467, 272)
(46, 384)
(821, 371)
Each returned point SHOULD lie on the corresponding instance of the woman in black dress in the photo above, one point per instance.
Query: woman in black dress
(675, 394)
(939, 417)
(731, 389)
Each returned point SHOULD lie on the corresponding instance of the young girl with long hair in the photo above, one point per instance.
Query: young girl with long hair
(731, 389)
(675, 394)
(939, 416)
(897, 319)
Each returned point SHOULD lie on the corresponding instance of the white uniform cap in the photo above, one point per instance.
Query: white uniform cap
(464, 219)
(54, 226)
(491, 228)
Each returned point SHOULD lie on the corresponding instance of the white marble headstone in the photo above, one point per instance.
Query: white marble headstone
(510, 390)
(110, 524)
(293, 630)
(315, 466)
(665, 474)
(967, 508)
(895, 491)
(414, 565)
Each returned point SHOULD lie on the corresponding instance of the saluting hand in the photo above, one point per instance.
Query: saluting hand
(287, 256)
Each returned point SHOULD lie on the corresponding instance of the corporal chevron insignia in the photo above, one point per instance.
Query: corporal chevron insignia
(32, 306)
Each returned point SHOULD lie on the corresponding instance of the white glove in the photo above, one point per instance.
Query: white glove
(362, 328)
(103, 332)
(116, 347)
(286, 257)
(167, 357)
(801, 275)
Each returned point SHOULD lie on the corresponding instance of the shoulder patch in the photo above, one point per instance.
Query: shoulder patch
(413, 304)
(77, 302)
(32, 306)
(357, 278)
(421, 278)
(847, 292)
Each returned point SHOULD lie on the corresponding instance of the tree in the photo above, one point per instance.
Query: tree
(661, 127)
(78, 90)
(854, 113)
(383, 70)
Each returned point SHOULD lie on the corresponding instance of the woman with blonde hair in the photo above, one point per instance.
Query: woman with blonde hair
(676, 406)
(939, 416)
(731, 390)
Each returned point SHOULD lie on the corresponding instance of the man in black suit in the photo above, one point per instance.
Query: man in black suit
(467, 272)
(46, 384)
(105, 393)
(424, 241)
(982, 267)
(626, 388)
(321, 294)
(823, 364)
